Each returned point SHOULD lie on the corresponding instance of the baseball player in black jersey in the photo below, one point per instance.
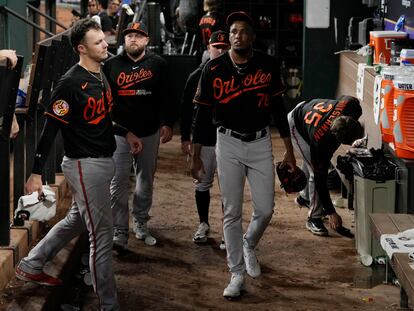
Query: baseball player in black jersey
(218, 44)
(79, 108)
(138, 80)
(318, 127)
(242, 89)
(212, 21)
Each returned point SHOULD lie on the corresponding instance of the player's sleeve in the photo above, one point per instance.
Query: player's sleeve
(187, 106)
(203, 108)
(168, 106)
(60, 105)
(276, 101)
(49, 132)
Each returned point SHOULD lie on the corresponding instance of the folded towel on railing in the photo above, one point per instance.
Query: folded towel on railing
(41, 209)
(394, 243)
(409, 234)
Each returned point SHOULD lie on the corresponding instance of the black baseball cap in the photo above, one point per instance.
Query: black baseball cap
(218, 38)
(238, 16)
(136, 27)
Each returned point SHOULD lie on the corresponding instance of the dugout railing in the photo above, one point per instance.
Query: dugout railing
(52, 58)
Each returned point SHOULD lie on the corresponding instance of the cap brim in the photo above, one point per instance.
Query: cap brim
(217, 44)
(238, 16)
(127, 31)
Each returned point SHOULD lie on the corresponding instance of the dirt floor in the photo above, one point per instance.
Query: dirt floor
(300, 271)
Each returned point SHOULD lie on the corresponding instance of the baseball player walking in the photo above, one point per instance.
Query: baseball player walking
(79, 108)
(138, 80)
(242, 89)
(218, 44)
(318, 127)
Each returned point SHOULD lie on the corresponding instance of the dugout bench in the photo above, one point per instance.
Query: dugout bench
(393, 224)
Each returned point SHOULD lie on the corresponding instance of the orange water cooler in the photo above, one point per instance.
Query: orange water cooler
(388, 74)
(381, 41)
(404, 117)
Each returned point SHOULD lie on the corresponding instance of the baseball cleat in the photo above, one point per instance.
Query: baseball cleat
(40, 278)
(250, 260)
(202, 233)
(316, 226)
(120, 239)
(301, 202)
(235, 287)
(141, 230)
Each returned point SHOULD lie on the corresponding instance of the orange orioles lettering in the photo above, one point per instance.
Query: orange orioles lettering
(225, 91)
(126, 80)
(95, 109)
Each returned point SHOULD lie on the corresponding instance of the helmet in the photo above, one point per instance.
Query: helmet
(290, 181)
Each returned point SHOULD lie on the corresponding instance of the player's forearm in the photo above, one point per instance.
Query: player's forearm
(47, 137)
(196, 150)
(288, 145)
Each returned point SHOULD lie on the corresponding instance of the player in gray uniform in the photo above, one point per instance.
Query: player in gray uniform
(140, 87)
(242, 89)
(79, 108)
(218, 44)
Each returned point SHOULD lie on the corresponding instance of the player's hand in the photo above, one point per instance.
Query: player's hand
(134, 142)
(335, 221)
(197, 168)
(165, 134)
(10, 55)
(186, 147)
(34, 183)
(289, 159)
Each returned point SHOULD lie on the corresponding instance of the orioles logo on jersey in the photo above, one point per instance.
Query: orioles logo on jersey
(96, 109)
(60, 107)
(125, 80)
(225, 91)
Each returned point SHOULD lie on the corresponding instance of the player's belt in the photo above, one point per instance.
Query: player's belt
(248, 137)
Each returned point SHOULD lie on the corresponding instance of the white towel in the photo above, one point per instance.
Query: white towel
(39, 210)
(409, 234)
(394, 243)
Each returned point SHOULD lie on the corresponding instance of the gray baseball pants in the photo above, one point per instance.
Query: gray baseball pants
(208, 156)
(236, 161)
(145, 165)
(309, 193)
(89, 180)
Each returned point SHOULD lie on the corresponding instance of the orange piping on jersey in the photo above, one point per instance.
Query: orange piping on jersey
(98, 119)
(280, 92)
(53, 116)
(229, 98)
(200, 103)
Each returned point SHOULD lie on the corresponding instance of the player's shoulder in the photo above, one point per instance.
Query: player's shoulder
(217, 63)
(262, 57)
(156, 58)
(113, 59)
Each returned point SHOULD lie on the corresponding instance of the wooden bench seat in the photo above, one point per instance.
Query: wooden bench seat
(393, 224)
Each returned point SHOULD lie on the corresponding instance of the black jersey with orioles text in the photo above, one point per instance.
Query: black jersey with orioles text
(313, 120)
(81, 104)
(241, 100)
(140, 91)
(209, 23)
